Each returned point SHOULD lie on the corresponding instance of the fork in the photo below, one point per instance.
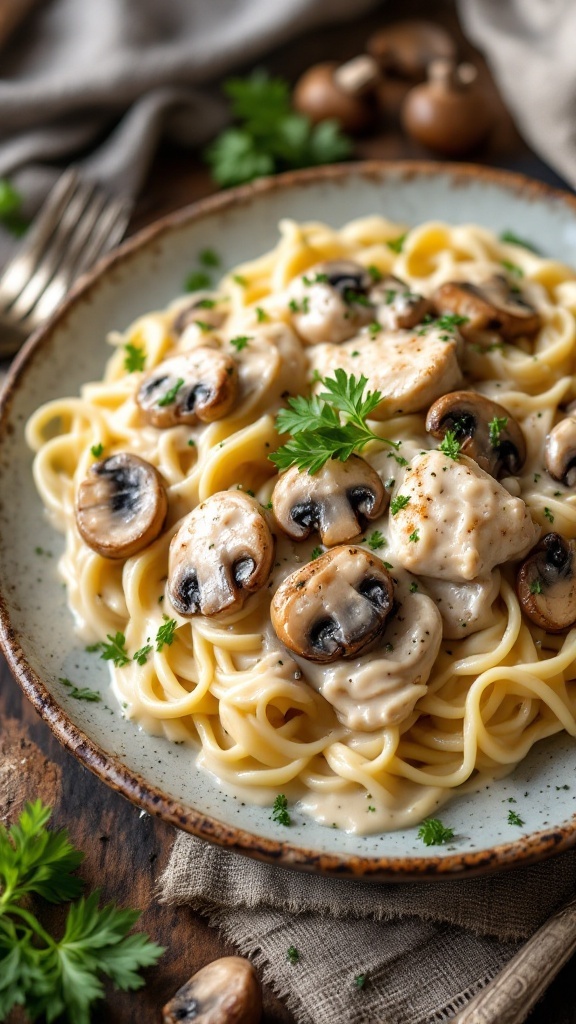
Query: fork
(78, 223)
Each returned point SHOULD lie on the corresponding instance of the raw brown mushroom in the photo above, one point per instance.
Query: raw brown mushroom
(336, 501)
(335, 606)
(546, 584)
(406, 48)
(227, 991)
(121, 506)
(397, 306)
(198, 385)
(329, 302)
(207, 307)
(222, 553)
(487, 432)
(489, 307)
(344, 93)
(560, 451)
(449, 113)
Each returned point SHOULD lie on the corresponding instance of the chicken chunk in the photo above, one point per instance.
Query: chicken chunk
(451, 520)
(411, 370)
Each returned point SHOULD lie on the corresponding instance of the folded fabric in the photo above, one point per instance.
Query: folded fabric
(367, 953)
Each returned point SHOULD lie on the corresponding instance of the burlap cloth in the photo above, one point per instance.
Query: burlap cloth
(425, 948)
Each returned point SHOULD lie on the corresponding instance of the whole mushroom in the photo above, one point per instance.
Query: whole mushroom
(487, 432)
(121, 506)
(449, 113)
(226, 991)
(222, 553)
(336, 501)
(198, 385)
(546, 584)
(335, 606)
(206, 307)
(560, 451)
(343, 93)
(329, 302)
(405, 49)
(489, 307)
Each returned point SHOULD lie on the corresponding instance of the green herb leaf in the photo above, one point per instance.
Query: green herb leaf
(376, 540)
(495, 428)
(450, 446)
(512, 268)
(11, 209)
(414, 537)
(512, 239)
(165, 634)
(360, 980)
(135, 358)
(292, 954)
(170, 395)
(261, 315)
(514, 819)
(433, 833)
(548, 514)
(197, 280)
(80, 693)
(240, 341)
(315, 553)
(209, 258)
(398, 503)
(97, 450)
(536, 587)
(141, 656)
(375, 273)
(397, 244)
(114, 650)
(204, 326)
(280, 810)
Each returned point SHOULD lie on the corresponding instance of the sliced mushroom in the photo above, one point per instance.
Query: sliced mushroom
(397, 306)
(560, 451)
(334, 606)
(487, 432)
(490, 307)
(546, 584)
(330, 301)
(121, 506)
(198, 385)
(336, 501)
(206, 307)
(222, 553)
(227, 991)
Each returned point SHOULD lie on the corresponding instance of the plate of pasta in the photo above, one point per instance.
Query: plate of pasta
(288, 520)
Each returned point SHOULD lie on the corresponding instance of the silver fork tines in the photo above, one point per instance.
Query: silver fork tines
(78, 223)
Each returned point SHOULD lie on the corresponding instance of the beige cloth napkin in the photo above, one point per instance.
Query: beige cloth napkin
(425, 949)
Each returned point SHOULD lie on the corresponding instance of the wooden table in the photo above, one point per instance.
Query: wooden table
(125, 849)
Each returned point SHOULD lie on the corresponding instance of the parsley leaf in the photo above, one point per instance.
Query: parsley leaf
(512, 239)
(196, 281)
(433, 833)
(514, 819)
(315, 553)
(376, 540)
(80, 693)
(397, 244)
(512, 268)
(269, 136)
(135, 358)
(548, 514)
(495, 428)
(292, 954)
(360, 980)
(450, 446)
(141, 656)
(316, 425)
(165, 634)
(209, 258)
(240, 341)
(398, 503)
(536, 587)
(414, 536)
(114, 650)
(170, 395)
(97, 450)
(261, 315)
(280, 810)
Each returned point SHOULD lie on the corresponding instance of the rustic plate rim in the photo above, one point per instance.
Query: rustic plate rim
(109, 767)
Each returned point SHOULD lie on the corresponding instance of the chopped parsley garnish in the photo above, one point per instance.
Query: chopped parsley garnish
(548, 514)
(315, 553)
(317, 279)
(191, 442)
(240, 341)
(514, 819)
(353, 297)
(413, 587)
(197, 280)
(165, 634)
(80, 693)
(280, 810)
(261, 315)
(240, 279)
(373, 329)
(495, 428)
(398, 503)
(512, 268)
(135, 358)
(398, 458)
(97, 450)
(450, 321)
(536, 587)
(375, 274)
(170, 395)
(433, 833)
(397, 244)
(204, 326)
(414, 536)
(376, 540)
(292, 954)
(299, 307)
(209, 258)
(450, 446)
(205, 304)
(114, 650)
(141, 656)
(318, 431)
(360, 980)
(512, 239)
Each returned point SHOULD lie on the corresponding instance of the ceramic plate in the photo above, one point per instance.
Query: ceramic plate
(36, 627)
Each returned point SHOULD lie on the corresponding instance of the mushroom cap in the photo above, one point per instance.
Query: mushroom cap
(222, 553)
(121, 506)
(319, 95)
(208, 307)
(406, 48)
(491, 306)
(560, 451)
(331, 301)
(546, 584)
(226, 991)
(334, 501)
(469, 414)
(334, 606)
(197, 385)
(449, 113)
(397, 306)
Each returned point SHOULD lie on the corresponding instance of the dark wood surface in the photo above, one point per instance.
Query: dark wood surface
(126, 851)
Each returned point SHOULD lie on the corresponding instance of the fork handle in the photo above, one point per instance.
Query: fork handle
(509, 998)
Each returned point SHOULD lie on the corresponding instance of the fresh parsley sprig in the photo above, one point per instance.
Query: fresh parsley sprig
(59, 978)
(433, 833)
(280, 813)
(331, 425)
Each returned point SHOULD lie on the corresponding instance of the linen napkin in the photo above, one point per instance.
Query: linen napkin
(367, 953)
